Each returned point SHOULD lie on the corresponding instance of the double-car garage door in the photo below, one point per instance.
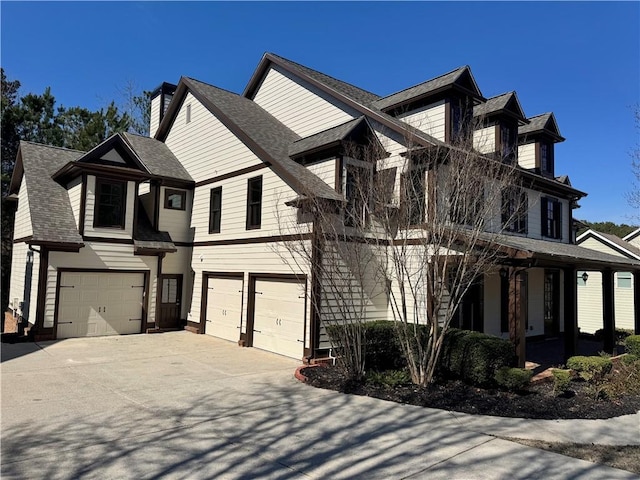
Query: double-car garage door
(276, 315)
(100, 303)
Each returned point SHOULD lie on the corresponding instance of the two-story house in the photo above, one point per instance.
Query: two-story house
(186, 228)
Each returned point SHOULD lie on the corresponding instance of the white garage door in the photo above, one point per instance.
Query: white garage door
(224, 308)
(279, 315)
(99, 303)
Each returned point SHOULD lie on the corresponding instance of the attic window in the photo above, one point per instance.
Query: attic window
(546, 158)
(175, 199)
(188, 113)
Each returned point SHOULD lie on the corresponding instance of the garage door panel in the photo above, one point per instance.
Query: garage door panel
(279, 317)
(224, 308)
(95, 304)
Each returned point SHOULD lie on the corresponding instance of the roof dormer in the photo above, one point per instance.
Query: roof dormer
(536, 144)
(496, 125)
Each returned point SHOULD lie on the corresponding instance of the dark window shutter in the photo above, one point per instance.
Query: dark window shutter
(557, 216)
(543, 214)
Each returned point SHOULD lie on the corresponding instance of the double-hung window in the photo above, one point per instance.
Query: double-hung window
(551, 218)
(514, 210)
(254, 203)
(508, 146)
(546, 158)
(215, 209)
(357, 189)
(414, 194)
(110, 203)
(175, 199)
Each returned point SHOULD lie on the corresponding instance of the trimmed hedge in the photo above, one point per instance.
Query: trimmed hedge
(632, 344)
(561, 380)
(513, 378)
(590, 368)
(474, 357)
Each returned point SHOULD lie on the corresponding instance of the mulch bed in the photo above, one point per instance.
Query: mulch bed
(538, 401)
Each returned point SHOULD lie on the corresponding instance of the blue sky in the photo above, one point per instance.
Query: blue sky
(579, 60)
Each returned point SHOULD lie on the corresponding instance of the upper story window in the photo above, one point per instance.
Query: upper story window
(459, 119)
(357, 192)
(175, 199)
(546, 158)
(254, 203)
(508, 143)
(551, 218)
(514, 210)
(465, 205)
(414, 194)
(111, 197)
(215, 210)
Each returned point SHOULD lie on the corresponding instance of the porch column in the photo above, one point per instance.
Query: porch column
(636, 302)
(570, 310)
(608, 311)
(517, 333)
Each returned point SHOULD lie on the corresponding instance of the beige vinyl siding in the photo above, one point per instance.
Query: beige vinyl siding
(299, 105)
(325, 170)
(527, 155)
(179, 262)
(176, 222)
(22, 223)
(204, 146)
(75, 196)
(484, 139)
(595, 244)
(25, 265)
(590, 304)
(90, 231)
(430, 119)
(99, 256)
(248, 258)
(154, 120)
(234, 208)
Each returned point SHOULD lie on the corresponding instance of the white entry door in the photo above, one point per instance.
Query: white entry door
(279, 317)
(100, 303)
(224, 308)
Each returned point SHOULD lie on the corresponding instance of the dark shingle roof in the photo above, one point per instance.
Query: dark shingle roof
(147, 238)
(52, 218)
(613, 241)
(424, 88)
(500, 103)
(355, 93)
(542, 123)
(156, 157)
(325, 137)
(269, 138)
(570, 253)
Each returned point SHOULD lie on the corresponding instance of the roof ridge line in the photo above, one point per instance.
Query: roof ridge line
(423, 82)
(53, 146)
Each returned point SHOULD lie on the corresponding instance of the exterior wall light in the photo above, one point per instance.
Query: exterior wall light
(585, 277)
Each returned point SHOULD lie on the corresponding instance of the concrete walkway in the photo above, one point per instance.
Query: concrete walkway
(179, 405)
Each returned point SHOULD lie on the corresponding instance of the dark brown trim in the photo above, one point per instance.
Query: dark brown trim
(339, 173)
(83, 205)
(183, 244)
(636, 302)
(156, 205)
(172, 191)
(193, 327)
(447, 121)
(23, 239)
(43, 269)
(57, 246)
(236, 173)
(145, 303)
(124, 241)
(158, 286)
(247, 241)
(96, 202)
(136, 203)
(608, 310)
(316, 295)
(570, 312)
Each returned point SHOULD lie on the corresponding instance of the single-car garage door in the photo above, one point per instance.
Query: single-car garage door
(224, 307)
(92, 304)
(279, 317)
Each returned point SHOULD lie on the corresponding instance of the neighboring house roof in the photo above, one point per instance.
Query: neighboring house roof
(332, 137)
(262, 133)
(544, 123)
(52, 219)
(633, 235)
(612, 241)
(581, 257)
(460, 77)
(506, 103)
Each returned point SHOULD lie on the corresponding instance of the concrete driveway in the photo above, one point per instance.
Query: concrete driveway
(179, 405)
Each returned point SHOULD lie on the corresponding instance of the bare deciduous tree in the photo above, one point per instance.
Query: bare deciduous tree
(416, 230)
